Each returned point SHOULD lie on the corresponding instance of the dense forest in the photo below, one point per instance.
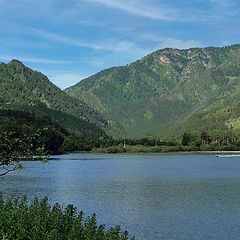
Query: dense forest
(53, 136)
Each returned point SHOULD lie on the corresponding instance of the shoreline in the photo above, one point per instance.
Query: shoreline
(174, 152)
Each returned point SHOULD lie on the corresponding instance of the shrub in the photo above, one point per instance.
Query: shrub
(40, 221)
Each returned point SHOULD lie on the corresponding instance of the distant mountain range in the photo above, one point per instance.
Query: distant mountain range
(167, 92)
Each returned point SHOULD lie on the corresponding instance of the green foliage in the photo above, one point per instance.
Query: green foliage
(205, 140)
(210, 140)
(23, 124)
(217, 118)
(15, 147)
(51, 135)
(40, 221)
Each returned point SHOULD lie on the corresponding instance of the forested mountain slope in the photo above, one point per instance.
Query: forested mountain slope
(165, 88)
(24, 89)
(23, 123)
(214, 118)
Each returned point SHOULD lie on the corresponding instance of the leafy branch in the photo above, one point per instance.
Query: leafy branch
(15, 148)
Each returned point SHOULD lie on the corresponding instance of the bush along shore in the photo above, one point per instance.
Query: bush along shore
(39, 221)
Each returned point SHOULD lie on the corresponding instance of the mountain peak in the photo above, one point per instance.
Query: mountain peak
(15, 62)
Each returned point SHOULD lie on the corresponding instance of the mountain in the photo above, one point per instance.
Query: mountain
(24, 89)
(164, 92)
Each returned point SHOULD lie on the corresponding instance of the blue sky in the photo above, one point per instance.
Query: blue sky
(69, 40)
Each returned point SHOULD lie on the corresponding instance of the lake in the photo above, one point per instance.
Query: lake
(153, 196)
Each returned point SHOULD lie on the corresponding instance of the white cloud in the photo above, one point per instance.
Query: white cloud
(66, 80)
(182, 11)
(127, 46)
(225, 43)
(63, 39)
(166, 42)
(35, 60)
(109, 44)
(178, 43)
(140, 9)
(222, 3)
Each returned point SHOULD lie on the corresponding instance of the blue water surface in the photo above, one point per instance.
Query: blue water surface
(153, 196)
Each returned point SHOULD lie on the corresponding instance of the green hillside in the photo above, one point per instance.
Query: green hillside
(165, 88)
(215, 118)
(23, 123)
(24, 89)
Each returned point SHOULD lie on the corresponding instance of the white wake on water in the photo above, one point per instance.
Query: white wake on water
(229, 155)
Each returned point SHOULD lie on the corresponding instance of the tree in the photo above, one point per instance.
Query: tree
(186, 138)
(205, 137)
(14, 148)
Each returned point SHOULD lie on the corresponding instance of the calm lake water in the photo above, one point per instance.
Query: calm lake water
(153, 196)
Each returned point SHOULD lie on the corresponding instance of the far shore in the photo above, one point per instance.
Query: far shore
(174, 152)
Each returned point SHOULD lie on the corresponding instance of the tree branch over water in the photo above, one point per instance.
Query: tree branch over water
(10, 168)
(15, 148)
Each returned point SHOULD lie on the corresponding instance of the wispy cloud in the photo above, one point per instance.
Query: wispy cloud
(34, 60)
(140, 9)
(183, 11)
(107, 44)
(167, 42)
(222, 3)
(220, 9)
(62, 39)
(178, 43)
